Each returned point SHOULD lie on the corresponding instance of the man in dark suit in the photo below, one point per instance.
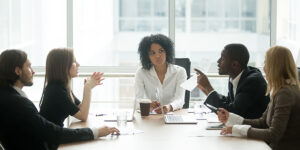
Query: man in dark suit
(247, 86)
(22, 127)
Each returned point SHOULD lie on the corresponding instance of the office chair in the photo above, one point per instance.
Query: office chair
(186, 64)
(1, 147)
(298, 73)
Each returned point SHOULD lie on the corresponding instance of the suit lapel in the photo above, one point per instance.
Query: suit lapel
(230, 88)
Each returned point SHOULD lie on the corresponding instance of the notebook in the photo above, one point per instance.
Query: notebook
(179, 119)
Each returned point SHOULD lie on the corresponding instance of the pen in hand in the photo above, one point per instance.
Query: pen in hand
(223, 115)
(219, 110)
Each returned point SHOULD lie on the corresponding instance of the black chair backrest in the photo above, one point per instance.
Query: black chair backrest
(1, 147)
(298, 73)
(186, 64)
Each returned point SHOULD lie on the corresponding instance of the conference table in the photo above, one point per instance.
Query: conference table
(160, 136)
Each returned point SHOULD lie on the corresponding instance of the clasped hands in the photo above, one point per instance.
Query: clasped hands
(156, 106)
(95, 79)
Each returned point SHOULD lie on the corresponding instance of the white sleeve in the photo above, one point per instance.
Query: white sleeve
(139, 86)
(95, 132)
(240, 130)
(178, 99)
(234, 119)
(210, 92)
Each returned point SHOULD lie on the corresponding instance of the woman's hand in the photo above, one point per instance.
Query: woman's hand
(226, 130)
(154, 105)
(94, 80)
(104, 131)
(223, 115)
(166, 109)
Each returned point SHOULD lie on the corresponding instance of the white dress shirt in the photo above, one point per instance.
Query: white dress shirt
(238, 129)
(235, 82)
(20, 91)
(170, 92)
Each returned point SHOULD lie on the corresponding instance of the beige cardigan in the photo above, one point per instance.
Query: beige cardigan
(280, 124)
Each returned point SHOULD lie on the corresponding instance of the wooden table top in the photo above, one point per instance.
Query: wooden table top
(158, 135)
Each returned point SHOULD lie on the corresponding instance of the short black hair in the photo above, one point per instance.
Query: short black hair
(9, 60)
(237, 52)
(163, 41)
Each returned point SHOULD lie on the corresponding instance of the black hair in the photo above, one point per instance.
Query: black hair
(237, 52)
(163, 41)
(9, 60)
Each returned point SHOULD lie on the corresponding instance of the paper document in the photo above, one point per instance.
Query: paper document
(130, 131)
(190, 84)
(204, 65)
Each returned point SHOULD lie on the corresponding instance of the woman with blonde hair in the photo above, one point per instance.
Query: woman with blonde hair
(279, 125)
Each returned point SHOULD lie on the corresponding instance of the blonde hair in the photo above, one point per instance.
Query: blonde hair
(280, 67)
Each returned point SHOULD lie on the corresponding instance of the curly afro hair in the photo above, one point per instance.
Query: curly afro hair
(163, 41)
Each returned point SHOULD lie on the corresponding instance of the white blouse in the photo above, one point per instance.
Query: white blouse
(147, 84)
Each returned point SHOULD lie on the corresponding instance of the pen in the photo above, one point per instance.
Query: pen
(98, 115)
(213, 108)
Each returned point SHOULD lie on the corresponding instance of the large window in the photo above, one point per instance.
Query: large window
(212, 24)
(288, 26)
(34, 26)
(107, 32)
(105, 35)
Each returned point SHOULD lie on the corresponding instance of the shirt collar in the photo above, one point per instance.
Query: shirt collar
(22, 93)
(236, 80)
(170, 70)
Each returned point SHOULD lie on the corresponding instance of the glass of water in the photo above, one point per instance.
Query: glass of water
(122, 119)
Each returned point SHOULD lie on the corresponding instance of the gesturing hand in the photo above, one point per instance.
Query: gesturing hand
(203, 83)
(94, 80)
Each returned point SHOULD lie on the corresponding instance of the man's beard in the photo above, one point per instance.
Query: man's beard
(26, 81)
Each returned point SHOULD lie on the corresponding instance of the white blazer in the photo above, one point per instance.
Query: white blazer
(170, 92)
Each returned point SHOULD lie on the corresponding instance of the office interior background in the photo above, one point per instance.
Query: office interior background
(105, 35)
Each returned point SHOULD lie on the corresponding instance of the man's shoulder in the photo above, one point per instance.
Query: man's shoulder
(9, 93)
(12, 100)
(252, 73)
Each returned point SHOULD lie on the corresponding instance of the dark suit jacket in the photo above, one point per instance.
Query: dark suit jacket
(280, 124)
(22, 127)
(249, 101)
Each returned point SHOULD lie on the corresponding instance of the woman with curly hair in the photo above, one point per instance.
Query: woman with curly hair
(159, 79)
(279, 125)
